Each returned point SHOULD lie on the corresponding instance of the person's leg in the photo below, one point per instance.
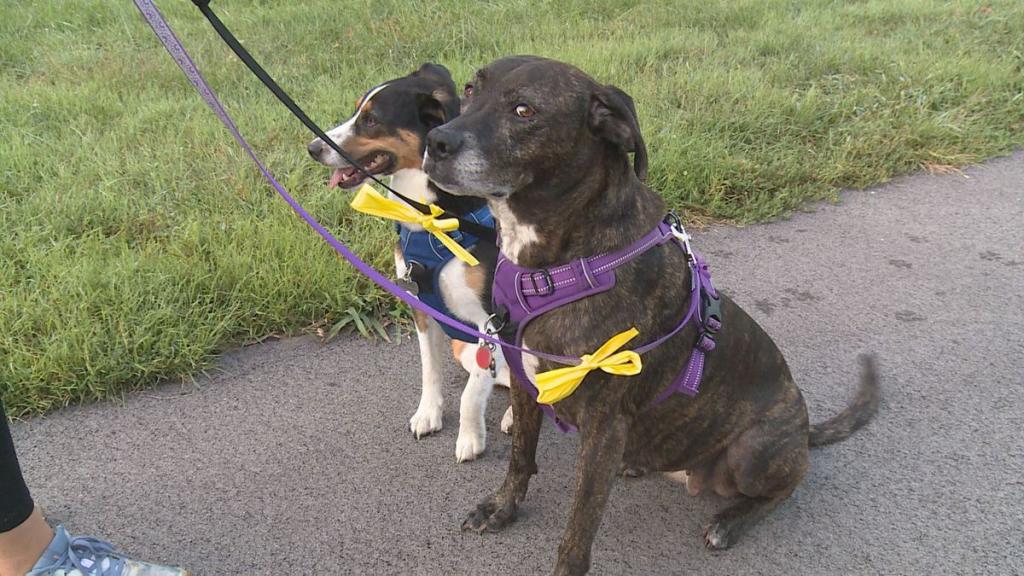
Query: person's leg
(16, 505)
(22, 546)
(29, 546)
(24, 535)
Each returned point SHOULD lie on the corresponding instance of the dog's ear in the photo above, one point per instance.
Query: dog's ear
(437, 107)
(437, 103)
(612, 116)
(436, 70)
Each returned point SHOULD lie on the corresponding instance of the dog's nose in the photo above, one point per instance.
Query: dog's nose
(443, 143)
(315, 148)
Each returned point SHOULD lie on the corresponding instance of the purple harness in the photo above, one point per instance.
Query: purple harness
(533, 300)
(522, 294)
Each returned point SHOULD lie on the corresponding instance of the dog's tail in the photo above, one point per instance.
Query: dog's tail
(857, 414)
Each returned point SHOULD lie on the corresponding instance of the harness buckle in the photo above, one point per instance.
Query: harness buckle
(549, 282)
(410, 281)
(710, 320)
(706, 341)
(711, 312)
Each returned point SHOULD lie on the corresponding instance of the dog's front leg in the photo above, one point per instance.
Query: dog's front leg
(603, 438)
(472, 424)
(472, 427)
(427, 418)
(499, 509)
(503, 379)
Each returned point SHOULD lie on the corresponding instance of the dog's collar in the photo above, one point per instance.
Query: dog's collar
(419, 244)
(522, 294)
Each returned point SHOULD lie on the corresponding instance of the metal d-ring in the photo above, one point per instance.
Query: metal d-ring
(680, 233)
(491, 329)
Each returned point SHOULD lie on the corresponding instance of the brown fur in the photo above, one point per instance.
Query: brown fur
(476, 279)
(567, 174)
(457, 347)
(405, 146)
(857, 414)
(421, 320)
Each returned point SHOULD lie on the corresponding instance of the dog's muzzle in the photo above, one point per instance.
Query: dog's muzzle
(443, 144)
(316, 149)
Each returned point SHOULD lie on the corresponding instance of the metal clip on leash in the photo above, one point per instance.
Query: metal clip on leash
(681, 234)
(485, 350)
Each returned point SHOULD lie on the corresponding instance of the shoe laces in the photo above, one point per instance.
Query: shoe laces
(91, 556)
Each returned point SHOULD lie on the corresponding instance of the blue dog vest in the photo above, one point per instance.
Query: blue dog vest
(424, 249)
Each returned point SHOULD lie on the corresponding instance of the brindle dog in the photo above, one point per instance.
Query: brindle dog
(549, 149)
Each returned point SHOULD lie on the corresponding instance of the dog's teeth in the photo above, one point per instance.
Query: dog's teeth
(375, 162)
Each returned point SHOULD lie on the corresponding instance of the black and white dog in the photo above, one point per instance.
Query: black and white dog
(387, 135)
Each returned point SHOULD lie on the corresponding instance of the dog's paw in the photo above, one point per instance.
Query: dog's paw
(470, 444)
(490, 516)
(717, 537)
(694, 482)
(628, 470)
(425, 421)
(506, 421)
(567, 566)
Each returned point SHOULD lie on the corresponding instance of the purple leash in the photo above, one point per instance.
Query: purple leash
(181, 57)
(688, 382)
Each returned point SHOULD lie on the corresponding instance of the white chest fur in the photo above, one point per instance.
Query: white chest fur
(515, 235)
(412, 183)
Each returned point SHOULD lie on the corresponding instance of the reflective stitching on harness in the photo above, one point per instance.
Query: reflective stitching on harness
(694, 367)
(561, 268)
(519, 293)
(586, 272)
(627, 256)
(527, 304)
(532, 292)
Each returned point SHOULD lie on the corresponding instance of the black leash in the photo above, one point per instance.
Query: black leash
(474, 228)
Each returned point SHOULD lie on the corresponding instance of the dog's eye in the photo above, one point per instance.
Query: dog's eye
(467, 90)
(524, 111)
(369, 120)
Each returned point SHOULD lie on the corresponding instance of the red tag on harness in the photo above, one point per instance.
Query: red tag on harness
(483, 357)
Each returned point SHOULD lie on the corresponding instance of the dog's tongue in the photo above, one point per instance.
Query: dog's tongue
(340, 175)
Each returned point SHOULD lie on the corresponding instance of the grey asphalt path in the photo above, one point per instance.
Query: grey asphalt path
(295, 458)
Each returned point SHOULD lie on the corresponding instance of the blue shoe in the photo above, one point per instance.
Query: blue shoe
(84, 556)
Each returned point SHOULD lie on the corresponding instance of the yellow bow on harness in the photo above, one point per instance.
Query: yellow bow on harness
(368, 201)
(555, 385)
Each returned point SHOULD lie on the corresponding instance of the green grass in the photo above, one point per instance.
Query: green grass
(137, 242)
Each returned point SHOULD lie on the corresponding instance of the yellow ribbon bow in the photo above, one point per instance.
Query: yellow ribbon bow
(368, 201)
(554, 385)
